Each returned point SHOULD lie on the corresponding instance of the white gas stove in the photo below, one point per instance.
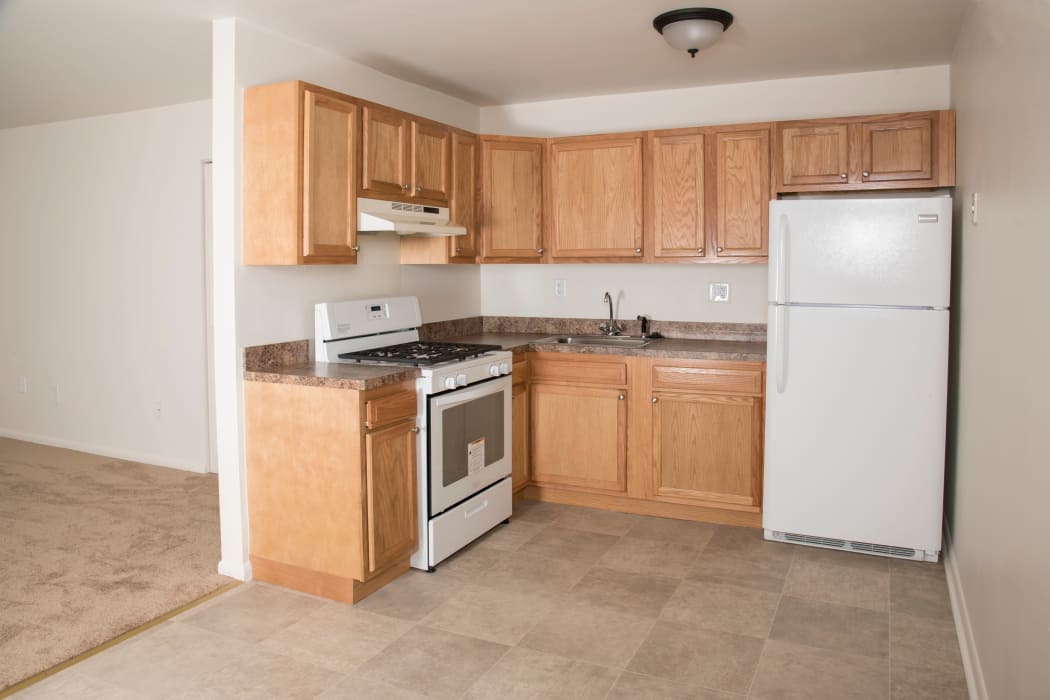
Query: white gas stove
(464, 398)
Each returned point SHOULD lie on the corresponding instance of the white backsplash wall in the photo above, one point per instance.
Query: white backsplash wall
(668, 292)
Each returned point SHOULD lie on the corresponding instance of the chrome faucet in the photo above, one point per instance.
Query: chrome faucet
(613, 327)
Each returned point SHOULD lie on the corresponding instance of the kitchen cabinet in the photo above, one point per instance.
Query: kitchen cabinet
(578, 422)
(676, 188)
(740, 225)
(521, 473)
(889, 151)
(331, 477)
(595, 197)
(300, 187)
(404, 158)
(463, 210)
(511, 199)
(705, 423)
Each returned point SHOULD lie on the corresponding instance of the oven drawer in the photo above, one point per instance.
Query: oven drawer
(464, 523)
(389, 409)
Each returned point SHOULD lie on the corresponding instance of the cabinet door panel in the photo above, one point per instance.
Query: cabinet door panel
(742, 192)
(329, 183)
(814, 155)
(596, 198)
(511, 198)
(463, 196)
(579, 437)
(677, 181)
(384, 137)
(707, 448)
(520, 429)
(390, 463)
(431, 161)
(899, 150)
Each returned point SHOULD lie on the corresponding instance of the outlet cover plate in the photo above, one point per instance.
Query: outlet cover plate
(718, 292)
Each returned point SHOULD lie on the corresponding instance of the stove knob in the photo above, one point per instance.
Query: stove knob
(494, 370)
(504, 368)
(450, 382)
(461, 380)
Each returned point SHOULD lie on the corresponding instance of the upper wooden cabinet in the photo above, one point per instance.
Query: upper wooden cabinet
(740, 224)
(595, 194)
(676, 189)
(511, 199)
(404, 158)
(890, 151)
(300, 187)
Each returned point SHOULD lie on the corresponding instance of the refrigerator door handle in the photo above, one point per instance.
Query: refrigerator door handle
(780, 338)
(782, 253)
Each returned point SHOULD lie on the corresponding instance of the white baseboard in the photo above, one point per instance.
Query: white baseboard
(240, 570)
(967, 643)
(104, 451)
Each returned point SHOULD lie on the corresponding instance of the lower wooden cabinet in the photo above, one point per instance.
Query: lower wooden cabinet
(677, 438)
(519, 407)
(331, 502)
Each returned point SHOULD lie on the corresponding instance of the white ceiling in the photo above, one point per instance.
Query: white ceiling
(62, 59)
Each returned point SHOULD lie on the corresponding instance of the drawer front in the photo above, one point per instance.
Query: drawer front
(389, 409)
(719, 380)
(579, 372)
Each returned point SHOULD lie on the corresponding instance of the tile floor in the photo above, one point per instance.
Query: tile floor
(566, 602)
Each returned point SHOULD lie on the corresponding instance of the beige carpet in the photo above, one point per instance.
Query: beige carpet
(91, 547)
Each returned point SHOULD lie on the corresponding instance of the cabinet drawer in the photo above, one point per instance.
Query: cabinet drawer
(389, 409)
(579, 372)
(719, 380)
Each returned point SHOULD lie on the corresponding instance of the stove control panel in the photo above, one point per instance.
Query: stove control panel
(464, 373)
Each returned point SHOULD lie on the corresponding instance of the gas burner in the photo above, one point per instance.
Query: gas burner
(420, 353)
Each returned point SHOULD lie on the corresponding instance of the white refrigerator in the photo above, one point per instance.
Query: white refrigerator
(857, 373)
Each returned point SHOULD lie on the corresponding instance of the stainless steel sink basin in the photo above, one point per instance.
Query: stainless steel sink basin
(615, 341)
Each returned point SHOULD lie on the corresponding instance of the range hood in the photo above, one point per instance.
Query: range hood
(379, 216)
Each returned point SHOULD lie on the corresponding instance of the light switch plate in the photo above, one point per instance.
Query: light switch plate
(973, 209)
(718, 292)
(559, 288)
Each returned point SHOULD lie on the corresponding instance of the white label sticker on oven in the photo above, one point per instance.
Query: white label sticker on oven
(475, 455)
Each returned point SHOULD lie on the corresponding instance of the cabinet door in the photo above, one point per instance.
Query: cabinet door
(677, 192)
(431, 161)
(329, 183)
(390, 484)
(707, 448)
(463, 196)
(742, 193)
(384, 159)
(897, 150)
(579, 437)
(519, 474)
(814, 155)
(511, 177)
(596, 194)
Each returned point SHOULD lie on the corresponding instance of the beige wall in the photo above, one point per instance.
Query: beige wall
(999, 462)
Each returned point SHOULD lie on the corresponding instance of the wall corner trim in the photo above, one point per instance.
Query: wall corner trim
(963, 629)
(240, 570)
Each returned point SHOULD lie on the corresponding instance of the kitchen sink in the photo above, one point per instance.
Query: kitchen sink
(615, 341)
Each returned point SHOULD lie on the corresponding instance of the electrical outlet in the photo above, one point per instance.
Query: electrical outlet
(973, 209)
(22, 385)
(559, 288)
(157, 410)
(718, 292)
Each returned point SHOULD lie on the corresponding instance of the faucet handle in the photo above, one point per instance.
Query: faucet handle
(645, 324)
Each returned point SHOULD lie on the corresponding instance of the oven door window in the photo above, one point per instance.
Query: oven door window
(469, 442)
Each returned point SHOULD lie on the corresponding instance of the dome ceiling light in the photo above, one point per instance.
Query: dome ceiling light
(694, 28)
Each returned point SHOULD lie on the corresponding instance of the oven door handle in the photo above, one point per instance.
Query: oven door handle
(461, 396)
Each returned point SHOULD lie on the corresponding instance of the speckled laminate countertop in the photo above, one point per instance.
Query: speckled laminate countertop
(677, 348)
(290, 363)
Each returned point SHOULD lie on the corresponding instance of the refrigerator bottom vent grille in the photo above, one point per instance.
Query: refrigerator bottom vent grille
(850, 546)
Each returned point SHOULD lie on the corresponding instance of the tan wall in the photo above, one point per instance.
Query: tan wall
(999, 462)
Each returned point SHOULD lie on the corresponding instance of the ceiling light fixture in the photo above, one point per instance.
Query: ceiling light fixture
(694, 28)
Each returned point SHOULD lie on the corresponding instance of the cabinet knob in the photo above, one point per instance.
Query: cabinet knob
(621, 397)
(355, 248)
(842, 175)
(719, 249)
(637, 251)
(415, 429)
(459, 249)
(865, 173)
(540, 250)
(419, 188)
(699, 251)
(654, 399)
(406, 188)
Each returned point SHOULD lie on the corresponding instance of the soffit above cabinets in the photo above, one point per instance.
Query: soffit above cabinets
(63, 59)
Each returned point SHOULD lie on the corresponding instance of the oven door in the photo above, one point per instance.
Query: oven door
(470, 441)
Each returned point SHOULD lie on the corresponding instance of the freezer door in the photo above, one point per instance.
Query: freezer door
(879, 252)
(855, 424)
